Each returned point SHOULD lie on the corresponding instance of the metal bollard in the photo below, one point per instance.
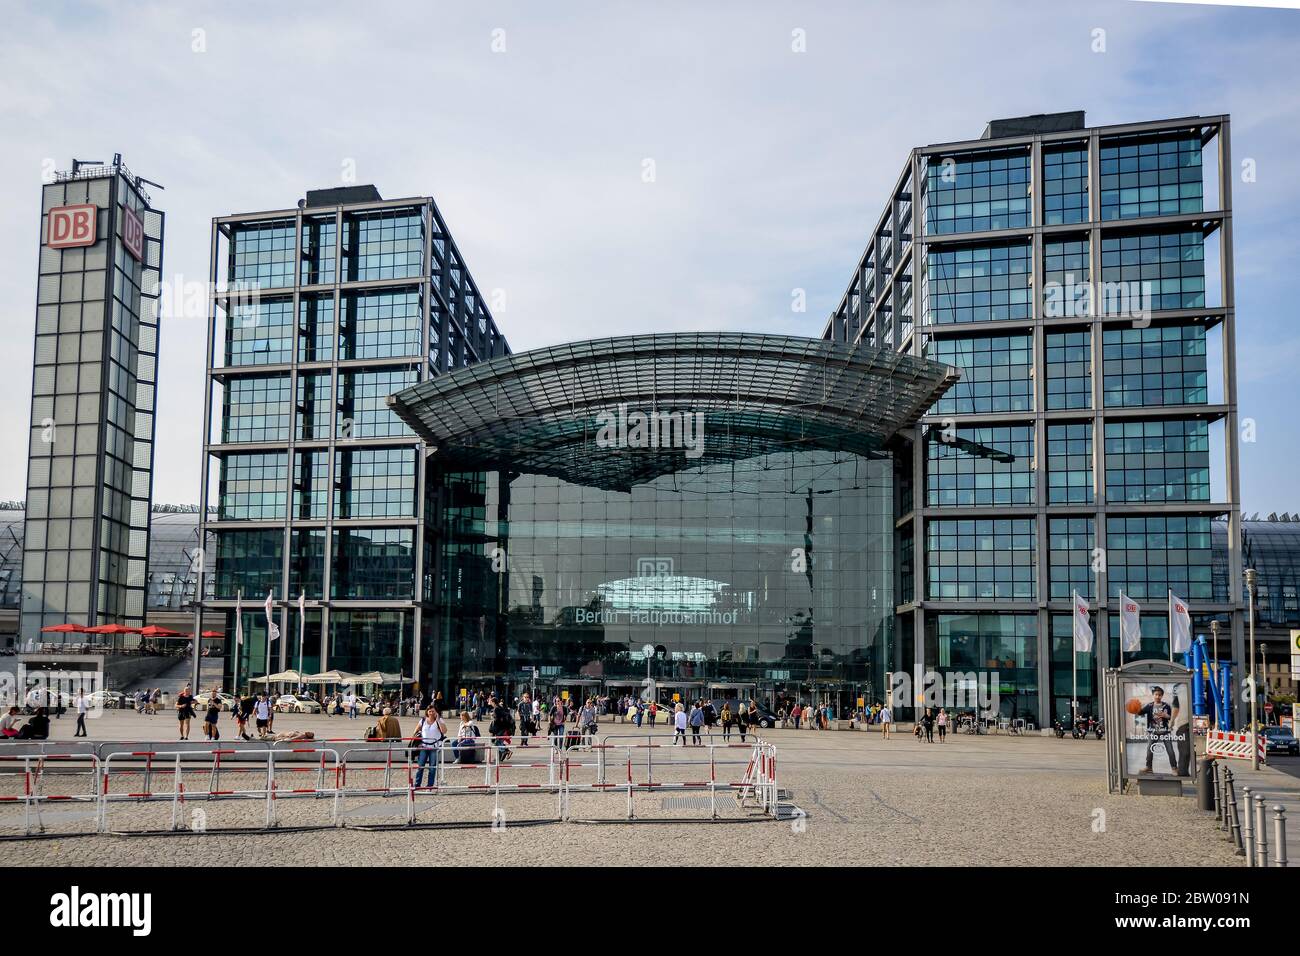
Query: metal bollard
(1235, 817)
(1248, 825)
(1205, 784)
(1221, 798)
(1279, 835)
(1261, 831)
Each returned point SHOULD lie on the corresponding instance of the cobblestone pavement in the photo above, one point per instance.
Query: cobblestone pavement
(985, 800)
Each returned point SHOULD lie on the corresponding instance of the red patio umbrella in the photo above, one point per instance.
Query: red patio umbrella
(213, 634)
(153, 630)
(112, 629)
(64, 629)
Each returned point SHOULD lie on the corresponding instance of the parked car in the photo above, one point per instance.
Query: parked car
(293, 704)
(1280, 740)
(107, 699)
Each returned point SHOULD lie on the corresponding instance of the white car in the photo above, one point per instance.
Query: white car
(227, 701)
(293, 704)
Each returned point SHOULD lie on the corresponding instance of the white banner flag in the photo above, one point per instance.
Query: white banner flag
(239, 620)
(1082, 629)
(272, 629)
(1130, 631)
(1180, 625)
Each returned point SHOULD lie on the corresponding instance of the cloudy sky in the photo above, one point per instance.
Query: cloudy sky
(530, 123)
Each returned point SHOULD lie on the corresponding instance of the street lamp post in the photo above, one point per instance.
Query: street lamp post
(1254, 684)
(1263, 667)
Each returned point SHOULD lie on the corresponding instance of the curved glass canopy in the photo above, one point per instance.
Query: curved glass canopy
(613, 413)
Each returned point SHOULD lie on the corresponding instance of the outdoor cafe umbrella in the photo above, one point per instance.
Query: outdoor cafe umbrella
(64, 629)
(330, 677)
(153, 630)
(290, 677)
(378, 677)
(112, 629)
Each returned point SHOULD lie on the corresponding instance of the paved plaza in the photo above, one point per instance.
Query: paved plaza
(994, 800)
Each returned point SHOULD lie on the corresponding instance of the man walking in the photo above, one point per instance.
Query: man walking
(886, 721)
(83, 705)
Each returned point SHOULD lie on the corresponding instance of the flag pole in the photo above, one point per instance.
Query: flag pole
(239, 597)
(1074, 661)
(302, 631)
(1171, 625)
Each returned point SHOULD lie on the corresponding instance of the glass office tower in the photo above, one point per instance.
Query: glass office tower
(90, 454)
(315, 488)
(1081, 278)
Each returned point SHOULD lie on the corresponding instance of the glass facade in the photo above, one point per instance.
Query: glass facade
(90, 455)
(333, 501)
(1110, 362)
(776, 571)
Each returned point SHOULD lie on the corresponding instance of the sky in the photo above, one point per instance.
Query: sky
(775, 132)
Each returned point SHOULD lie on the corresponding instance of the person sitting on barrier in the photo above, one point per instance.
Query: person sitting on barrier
(429, 735)
(37, 728)
(9, 723)
(465, 748)
(387, 727)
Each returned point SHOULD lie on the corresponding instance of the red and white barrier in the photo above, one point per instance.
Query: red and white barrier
(1226, 743)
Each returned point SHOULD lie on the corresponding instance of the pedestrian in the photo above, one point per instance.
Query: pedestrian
(886, 721)
(83, 705)
(185, 711)
(210, 717)
(679, 724)
(726, 716)
(696, 721)
(429, 734)
(557, 723)
(796, 714)
(741, 719)
(941, 722)
(927, 721)
(526, 726)
(262, 715)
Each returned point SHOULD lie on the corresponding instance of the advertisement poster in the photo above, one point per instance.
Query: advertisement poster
(1157, 724)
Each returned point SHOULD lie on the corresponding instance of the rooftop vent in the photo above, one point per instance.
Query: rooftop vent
(1038, 123)
(342, 196)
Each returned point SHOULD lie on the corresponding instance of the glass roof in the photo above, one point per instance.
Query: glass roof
(570, 410)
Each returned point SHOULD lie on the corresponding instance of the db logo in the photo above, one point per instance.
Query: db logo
(133, 234)
(72, 226)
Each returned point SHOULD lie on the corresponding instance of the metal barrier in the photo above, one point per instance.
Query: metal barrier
(144, 768)
(30, 782)
(190, 782)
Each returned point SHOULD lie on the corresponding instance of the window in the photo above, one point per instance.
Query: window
(980, 466)
(986, 559)
(1154, 366)
(315, 328)
(1069, 370)
(260, 332)
(375, 483)
(252, 487)
(1066, 291)
(1151, 176)
(261, 255)
(380, 325)
(1069, 464)
(384, 245)
(973, 192)
(1065, 184)
(995, 373)
(373, 563)
(1159, 270)
(1158, 460)
(363, 402)
(256, 409)
(1146, 557)
(319, 237)
(1070, 545)
(979, 283)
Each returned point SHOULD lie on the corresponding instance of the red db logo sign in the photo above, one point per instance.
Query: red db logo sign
(71, 226)
(133, 234)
